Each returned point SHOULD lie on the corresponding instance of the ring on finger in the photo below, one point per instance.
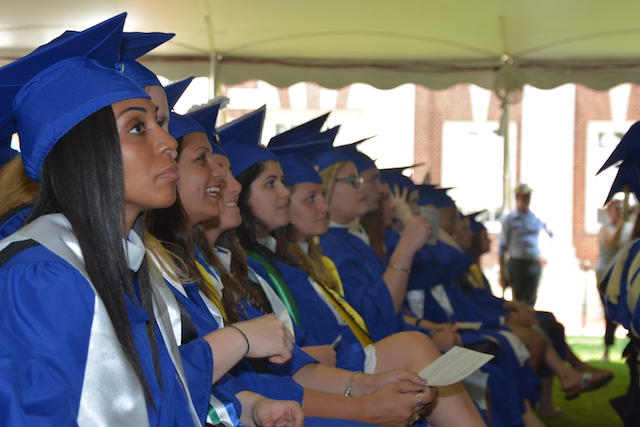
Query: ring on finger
(420, 399)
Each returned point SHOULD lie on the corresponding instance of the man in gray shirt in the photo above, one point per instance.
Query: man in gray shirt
(519, 251)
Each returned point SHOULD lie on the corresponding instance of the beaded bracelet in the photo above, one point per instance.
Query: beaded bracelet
(348, 388)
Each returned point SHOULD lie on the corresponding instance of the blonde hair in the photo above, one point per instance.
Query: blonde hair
(16, 188)
(172, 265)
(329, 176)
(310, 262)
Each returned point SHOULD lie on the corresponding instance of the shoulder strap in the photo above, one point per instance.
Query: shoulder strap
(14, 248)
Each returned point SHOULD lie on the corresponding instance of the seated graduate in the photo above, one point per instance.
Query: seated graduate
(205, 192)
(320, 298)
(376, 291)
(508, 382)
(74, 283)
(469, 299)
(620, 286)
(543, 322)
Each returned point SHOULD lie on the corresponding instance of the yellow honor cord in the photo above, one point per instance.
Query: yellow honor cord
(633, 284)
(612, 291)
(349, 314)
(475, 276)
(216, 297)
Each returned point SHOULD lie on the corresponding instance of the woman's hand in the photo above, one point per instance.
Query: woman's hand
(416, 232)
(397, 404)
(267, 337)
(400, 200)
(364, 384)
(277, 413)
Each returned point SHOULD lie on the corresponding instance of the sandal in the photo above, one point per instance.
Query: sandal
(590, 380)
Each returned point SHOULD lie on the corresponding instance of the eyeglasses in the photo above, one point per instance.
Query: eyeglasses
(354, 181)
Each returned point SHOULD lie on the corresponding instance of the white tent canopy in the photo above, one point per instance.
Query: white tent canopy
(436, 43)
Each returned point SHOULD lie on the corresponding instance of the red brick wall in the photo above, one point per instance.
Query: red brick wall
(590, 105)
(431, 110)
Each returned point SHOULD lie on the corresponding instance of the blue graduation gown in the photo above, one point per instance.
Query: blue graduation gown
(620, 310)
(242, 376)
(361, 272)
(49, 304)
(23, 402)
(319, 324)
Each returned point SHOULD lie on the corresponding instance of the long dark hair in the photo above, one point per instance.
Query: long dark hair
(171, 226)
(252, 228)
(236, 279)
(83, 178)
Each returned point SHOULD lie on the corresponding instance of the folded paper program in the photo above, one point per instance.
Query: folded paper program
(453, 366)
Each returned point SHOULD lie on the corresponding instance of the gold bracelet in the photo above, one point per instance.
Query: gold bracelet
(400, 268)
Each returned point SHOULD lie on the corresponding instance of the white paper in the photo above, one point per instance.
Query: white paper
(453, 366)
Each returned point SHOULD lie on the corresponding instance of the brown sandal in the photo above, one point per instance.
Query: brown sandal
(590, 380)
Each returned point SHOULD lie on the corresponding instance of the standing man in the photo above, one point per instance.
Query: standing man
(520, 261)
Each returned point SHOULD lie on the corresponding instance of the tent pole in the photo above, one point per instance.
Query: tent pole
(213, 74)
(506, 161)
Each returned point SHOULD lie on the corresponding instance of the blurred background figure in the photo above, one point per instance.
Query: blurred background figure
(614, 234)
(520, 258)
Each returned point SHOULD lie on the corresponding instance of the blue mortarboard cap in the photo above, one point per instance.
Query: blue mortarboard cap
(295, 162)
(324, 155)
(200, 120)
(241, 141)
(444, 199)
(394, 176)
(474, 224)
(425, 194)
(307, 150)
(361, 160)
(180, 125)
(329, 158)
(627, 179)
(175, 90)
(627, 149)
(132, 46)
(298, 169)
(299, 133)
(207, 117)
(430, 195)
(135, 45)
(76, 77)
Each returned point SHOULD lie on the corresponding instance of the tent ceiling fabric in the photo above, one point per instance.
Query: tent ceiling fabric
(436, 43)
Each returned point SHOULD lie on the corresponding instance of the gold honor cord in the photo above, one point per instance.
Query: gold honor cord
(349, 314)
(217, 298)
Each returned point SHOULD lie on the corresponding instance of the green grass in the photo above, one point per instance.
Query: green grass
(593, 408)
